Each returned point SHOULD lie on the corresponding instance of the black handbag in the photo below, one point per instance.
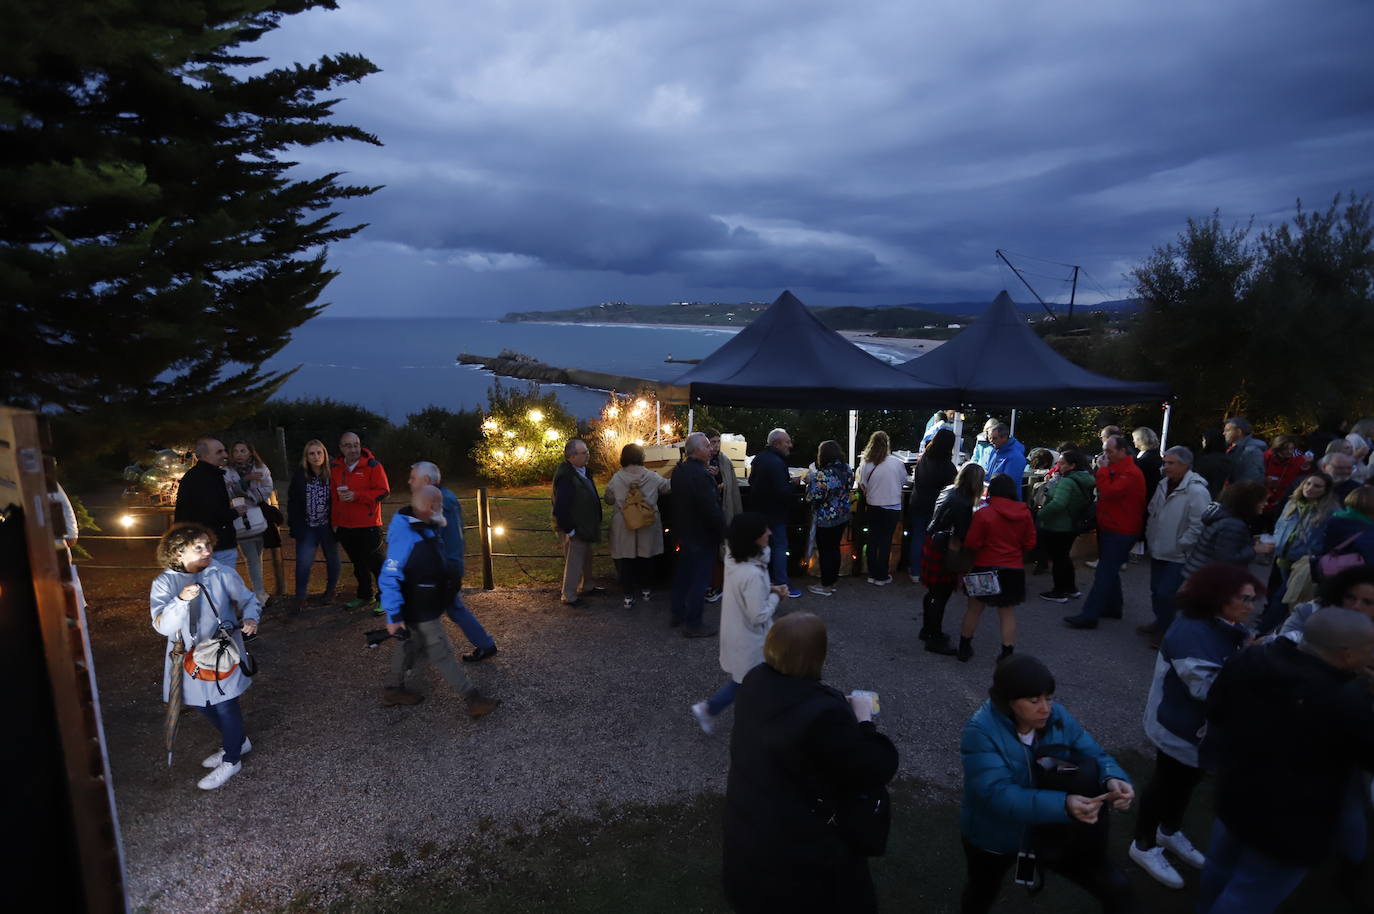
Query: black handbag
(1063, 769)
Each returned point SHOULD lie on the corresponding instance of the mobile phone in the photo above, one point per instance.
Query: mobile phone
(1025, 869)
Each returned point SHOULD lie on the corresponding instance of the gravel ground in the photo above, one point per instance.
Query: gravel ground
(594, 716)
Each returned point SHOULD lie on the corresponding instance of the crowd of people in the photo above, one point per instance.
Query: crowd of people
(1240, 659)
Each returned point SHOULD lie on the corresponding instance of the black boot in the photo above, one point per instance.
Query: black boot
(938, 643)
(1007, 650)
(965, 652)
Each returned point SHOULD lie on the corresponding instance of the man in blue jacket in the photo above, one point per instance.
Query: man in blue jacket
(1008, 456)
(424, 474)
(772, 494)
(417, 588)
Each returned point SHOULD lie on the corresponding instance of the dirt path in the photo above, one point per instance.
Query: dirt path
(594, 715)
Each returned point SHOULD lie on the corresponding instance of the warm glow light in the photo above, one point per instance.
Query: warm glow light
(608, 433)
(521, 452)
(509, 433)
(550, 434)
(668, 429)
(639, 441)
(499, 531)
(535, 415)
(499, 455)
(127, 520)
(641, 403)
(612, 412)
(490, 426)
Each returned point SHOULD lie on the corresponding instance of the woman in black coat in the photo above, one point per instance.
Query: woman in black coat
(799, 751)
(934, 471)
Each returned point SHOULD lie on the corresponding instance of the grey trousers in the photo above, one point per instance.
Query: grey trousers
(252, 552)
(577, 567)
(427, 640)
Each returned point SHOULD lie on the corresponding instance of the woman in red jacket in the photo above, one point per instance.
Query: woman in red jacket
(1001, 532)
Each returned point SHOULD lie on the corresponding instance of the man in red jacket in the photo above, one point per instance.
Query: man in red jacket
(1120, 521)
(359, 485)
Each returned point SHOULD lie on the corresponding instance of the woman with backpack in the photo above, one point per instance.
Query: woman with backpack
(1066, 512)
(636, 525)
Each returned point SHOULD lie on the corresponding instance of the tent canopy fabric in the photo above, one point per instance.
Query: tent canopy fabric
(786, 357)
(998, 360)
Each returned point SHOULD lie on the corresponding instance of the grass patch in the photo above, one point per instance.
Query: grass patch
(667, 859)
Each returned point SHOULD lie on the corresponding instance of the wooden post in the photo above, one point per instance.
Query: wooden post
(281, 449)
(484, 532)
(66, 659)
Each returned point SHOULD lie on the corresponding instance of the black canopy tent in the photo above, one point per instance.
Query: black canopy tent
(787, 357)
(998, 360)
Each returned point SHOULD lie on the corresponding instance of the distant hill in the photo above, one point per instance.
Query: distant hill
(715, 314)
(908, 317)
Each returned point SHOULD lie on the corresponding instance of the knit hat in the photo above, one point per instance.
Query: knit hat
(1020, 676)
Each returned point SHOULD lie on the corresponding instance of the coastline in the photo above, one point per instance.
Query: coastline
(901, 347)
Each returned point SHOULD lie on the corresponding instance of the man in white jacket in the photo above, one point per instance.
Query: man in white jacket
(1172, 528)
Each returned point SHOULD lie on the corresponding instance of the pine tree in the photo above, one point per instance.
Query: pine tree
(156, 245)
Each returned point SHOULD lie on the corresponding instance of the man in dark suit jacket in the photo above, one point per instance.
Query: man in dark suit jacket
(699, 526)
(772, 492)
(203, 497)
(577, 516)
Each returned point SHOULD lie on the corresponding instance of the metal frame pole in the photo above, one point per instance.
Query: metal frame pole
(1164, 429)
(853, 433)
(484, 532)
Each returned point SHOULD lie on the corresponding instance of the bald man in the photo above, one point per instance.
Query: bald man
(417, 589)
(358, 485)
(1290, 725)
(203, 497)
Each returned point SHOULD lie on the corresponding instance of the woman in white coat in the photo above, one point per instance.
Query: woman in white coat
(746, 610)
(195, 600)
(633, 548)
(253, 484)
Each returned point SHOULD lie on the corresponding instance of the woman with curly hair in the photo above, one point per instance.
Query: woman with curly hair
(199, 602)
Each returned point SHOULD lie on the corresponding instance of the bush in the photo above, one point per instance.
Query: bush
(523, 433)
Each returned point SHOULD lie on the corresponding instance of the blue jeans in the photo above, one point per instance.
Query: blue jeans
(464, 619)
(724, 698)
(695, 562)
(1238, 880)
(1165, 580)
(777, 556)
(229, 558)
(1105, 597)
(916, 538)
(312, 538)
(227, 718)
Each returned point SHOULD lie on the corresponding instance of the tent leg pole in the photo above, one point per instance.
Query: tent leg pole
(1013, 424)
(853, 433)
(1164, 429)
(958, 436)
(691, 418)
(658, 422)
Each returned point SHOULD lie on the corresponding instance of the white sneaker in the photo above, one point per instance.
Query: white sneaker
(881, 582)
(1152, 861)
(212, 761)
(703, 716)
(1179, 845)
(821, 590)
(713, 596)
(1092, 564)
(215, 779)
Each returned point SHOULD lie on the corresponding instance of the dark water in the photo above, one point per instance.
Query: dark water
(396, 367)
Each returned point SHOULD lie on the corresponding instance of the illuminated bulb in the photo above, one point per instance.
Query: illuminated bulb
(499, 531)
(521, 452)
(490, 426)
(612, 412)
(509, 433)
(667, 429)
(126, 521)
(499, 455)
(641, 404)
(550, 434)
(639, 441)
(608, 434)
(535, 415)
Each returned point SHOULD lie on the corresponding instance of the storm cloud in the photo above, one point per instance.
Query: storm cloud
(551, 154)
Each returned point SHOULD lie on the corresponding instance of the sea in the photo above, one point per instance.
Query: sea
(399, 366)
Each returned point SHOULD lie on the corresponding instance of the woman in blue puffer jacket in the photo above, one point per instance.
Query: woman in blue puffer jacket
(1020, 726)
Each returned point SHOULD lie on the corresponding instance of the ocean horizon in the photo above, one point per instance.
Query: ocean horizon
(402, 365)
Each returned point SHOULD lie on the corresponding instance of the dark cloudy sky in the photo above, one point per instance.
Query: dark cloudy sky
(556, 154)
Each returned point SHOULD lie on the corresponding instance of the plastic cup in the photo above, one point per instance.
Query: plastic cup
(872, 699)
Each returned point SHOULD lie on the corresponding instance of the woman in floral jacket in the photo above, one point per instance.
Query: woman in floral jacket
(828, 489)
